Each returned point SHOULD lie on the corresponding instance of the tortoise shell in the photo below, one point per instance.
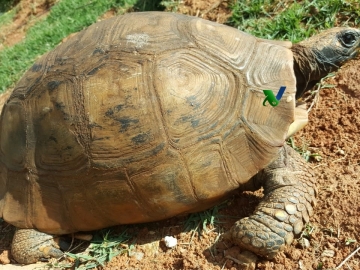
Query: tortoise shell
(139, 118)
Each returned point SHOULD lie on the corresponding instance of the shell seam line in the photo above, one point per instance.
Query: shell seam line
(167, 135)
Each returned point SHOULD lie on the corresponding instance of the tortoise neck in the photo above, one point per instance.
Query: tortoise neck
(309, 68)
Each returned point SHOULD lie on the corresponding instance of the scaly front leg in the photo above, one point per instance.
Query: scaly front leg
(290, 191)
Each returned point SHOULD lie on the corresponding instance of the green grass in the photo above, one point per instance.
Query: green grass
(6, 5)
(170, 5)
(200, 221)
(149, 5)
(292, 21)
(101, 250)
(6, 18)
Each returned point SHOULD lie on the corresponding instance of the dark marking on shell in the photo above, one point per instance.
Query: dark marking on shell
(93, 71)
(119, 107)
(195, 123)
(61, 60)
(215, 141)
(98, 51)
(52, 138)
(158, 149)
(36, 67)
(213, 126)
(207, 136)
(53, 85)
(125, 122)
(59, 105)
(206, 164)
(93, 124)
(49, 68)
(100, 138)
(116, 109)
(109, 112)
(227, 133)
(140, 138)
(190, 118)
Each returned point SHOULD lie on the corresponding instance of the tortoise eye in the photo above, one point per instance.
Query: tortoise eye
(348, 39)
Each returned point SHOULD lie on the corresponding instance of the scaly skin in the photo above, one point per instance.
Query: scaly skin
(30, 246)
(290, 192)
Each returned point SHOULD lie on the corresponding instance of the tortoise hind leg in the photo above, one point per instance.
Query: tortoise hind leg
(290, 191)
(29, 246)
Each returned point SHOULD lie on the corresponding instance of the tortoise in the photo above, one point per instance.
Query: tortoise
(146, 116)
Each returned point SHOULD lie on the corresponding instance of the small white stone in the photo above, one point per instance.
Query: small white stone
(170, 241)
(328, 253)
(304, 243)
(289, 98)
(137, 255)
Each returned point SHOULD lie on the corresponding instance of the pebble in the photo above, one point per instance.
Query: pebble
(304, 243)
(170, 241)
(328, 253)
(4, 257)
(150, 249)
(137, 255)
(246, 260)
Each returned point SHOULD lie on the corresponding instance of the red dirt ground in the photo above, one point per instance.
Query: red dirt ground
(28, 12)
(333, 132)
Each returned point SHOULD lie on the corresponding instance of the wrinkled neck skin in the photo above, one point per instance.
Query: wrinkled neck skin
(310, 67)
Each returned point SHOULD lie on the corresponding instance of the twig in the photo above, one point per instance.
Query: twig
(217, 4)
(347, 258)
(348, 266)
(235, 260)
(223, 267)
(336, 160)
(319, 165)
(192, 235)
(343, 95)
(72, 242)
(316, 98)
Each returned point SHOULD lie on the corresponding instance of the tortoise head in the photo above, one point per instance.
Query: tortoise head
(321, 54)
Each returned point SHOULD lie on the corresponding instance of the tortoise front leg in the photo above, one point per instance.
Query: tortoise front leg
(29, 246)
(290, 192)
